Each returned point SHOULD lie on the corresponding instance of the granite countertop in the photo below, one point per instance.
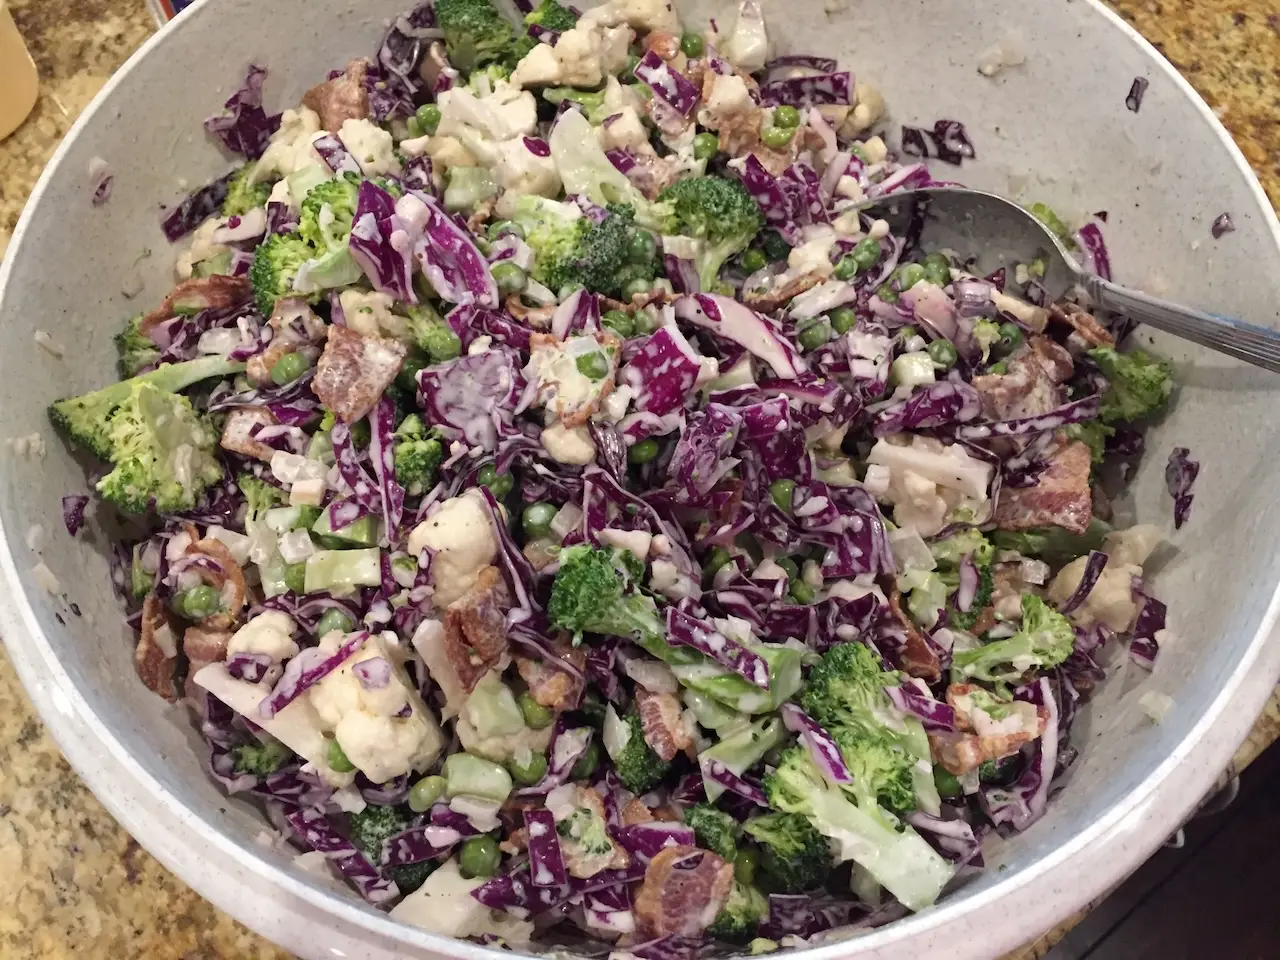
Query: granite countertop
(72, 882)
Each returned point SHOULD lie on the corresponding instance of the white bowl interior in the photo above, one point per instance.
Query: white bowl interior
(1055, 129)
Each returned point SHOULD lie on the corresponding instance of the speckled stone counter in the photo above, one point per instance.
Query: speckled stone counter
(72, 882)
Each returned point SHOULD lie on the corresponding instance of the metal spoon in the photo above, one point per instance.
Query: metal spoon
(1001, 231)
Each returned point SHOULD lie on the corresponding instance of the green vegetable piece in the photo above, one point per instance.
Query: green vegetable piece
(620, 323)
(552, 16)
(372, 827)
(502, 228)
(718, 558)
(908, 275)
(134, 348)
(1010, 339)
(335, 619)
(718, 211)
(468, 188)
(289, 368)
(843, 320)
(786, 116)
(886, 293)
(535, 714)
(789, 565)
(1092, 433)
(276, 262)
(754, 260)
(140, 582)
(641, 248)
(1138, 384)
(742, 749)
(637, 766)
(198, 602)
(814, 336)
(937, 269)
(414, 128)
(949, 552)
(782, 492)
(536, 520)
(981, 600)
(337, 758)
(499, 484)
(424, 793)
(361, 533)
(1044, 213)
(692, 45)
(593, 366)
(705, 146)
(260, 758)
(529, 772)
(948, 786)
(295, 578)
(775, 248)
(741, 916)
(777, 137)
(943, 353)
(472, 776)
(509, 278)
(643, 451)
(634, 288)
(714, 830)
(341, 571)
(846, 268)
(475, 33)
(745, 865)
(428, 117)
(802, 593)
(243, 194)
(998, 369)
(587, 763)
(793, 854)
(867, 253)
(1044, 640)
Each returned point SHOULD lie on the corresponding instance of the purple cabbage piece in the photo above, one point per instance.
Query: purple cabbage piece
(578, 313)
(373, 673)
(249, 667)
(470, 322)
(1093, 568)
(647, 840)
(305, 670)
(382, 454)
(1222, 224)
(425, 842)
(335, 154)
(760, 336)
(195, 209)
(546, 862)
(245, 128)
(1023, 803)
(473, 398)
(1144, 647)
(682, 273)
(101, 179)
(935, 715)
(668, 948)
(280, 218)
(932, 405)
(1094, 249)
(314, 829)
(770, 197)
(947, 141)
(451, 261)
(954, 837)
(568, 746)
(669, 85)
(790, 915)
(663, 372)
(820, 64)
(822, 89)
(73, 507)
(1137, 90)
(686, 631)
(379, 245)
(904, 178)
(822, 748)
(515, 893)
(1179, 476)
(1077, 411)
(352, 470)
(718, 773)
(399, 56)
(702, 456)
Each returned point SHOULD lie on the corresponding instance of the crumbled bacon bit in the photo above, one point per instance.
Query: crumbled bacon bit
(228, 574)
(918, 657)
(236, 432)
(1060, 496)
(475, 636)
(635, 812)
(663, 724)
(155, 668)
(342, 98)
(1085, 324)
(964, 750)
(1053, 357)
(1027, 390)
(354, 370)
(200, 293)
(666, 45)
(552, 687)
(771, 300)
(202, 646)
(683, 890)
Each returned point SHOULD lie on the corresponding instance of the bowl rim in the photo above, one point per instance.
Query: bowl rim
(152, 814)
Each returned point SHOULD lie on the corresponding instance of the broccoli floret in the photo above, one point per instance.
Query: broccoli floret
(592, 101)
(637, 766)
(846, 689)
(714, 829)
(1138, 384)
(986, 333)
(551, 16)
(475, 32)
(432, 333)
(260, 759)
(371, 827)
(243, 194)
(594, 592)
(417, 456)
(890, 851)
(1094, 434)
(882, 772)
(1045, 214)
(134, 348)
(1044, 640)
(794, 856)
(964, 620)
(719, 212)
(551, 228)
(517, 50)
(572, 250)
(926, 597)
(161, 448)
(329, 231)
(259, 495)
(275, 263)
(742, 914)
(1053, 545)
(949, 552)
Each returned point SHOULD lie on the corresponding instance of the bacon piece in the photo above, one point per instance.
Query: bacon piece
(154, 663)
(475, 635)
(1060, 497)
(1054, 357)
(967, 749)
(663, 724)
(577, 412)
(236, 433)
(202, 646)
(228, 580)
(1027, 390)
(771, 300)
(199, 293)
(354, 370)
(539, 318)
(918, 656)
(652, 174)
(1085, 325)
(342, 98)
(666, 45)
(683, 890)
(552, 687)
(635, 812)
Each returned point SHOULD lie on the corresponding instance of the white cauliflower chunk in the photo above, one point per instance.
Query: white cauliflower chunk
(581, 57)
(929, 483)
(571, 445)
(367, 720)
(369, 313)
(748, 46)
(270, 632)
(203, 247)
(643, 15)
(624, 132)
(1110, 602)
(480, 123)
(290, 147)
(521, 171)
(665, 578)
(370, 146)
(459, 533)
(444, 905)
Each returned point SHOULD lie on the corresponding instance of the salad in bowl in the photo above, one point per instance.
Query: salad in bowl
(576, 516)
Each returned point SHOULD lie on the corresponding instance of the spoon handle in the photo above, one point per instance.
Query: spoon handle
(1244, 341)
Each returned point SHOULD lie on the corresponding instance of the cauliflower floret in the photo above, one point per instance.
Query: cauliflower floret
(624, 132)
(563, 388)
(521, 171)
(366, 720)
(460, 533)
(445, 152)
(665, 578)
(290, 147)
(729, 98)
(505, 113)
(928, 481)
(444, 905)
(1110, 602)
(617, 97)
(370, 146)
(539, 67)
(582, 57)
(644, 15)
(748, 46)
(814, 254)
(370, 314)
(202, 247)
(270, 632)
(572, 445)
(637, 542)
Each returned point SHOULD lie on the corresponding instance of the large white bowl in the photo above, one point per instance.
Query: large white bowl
(1057, 126)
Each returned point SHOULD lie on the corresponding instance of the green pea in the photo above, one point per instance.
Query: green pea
(705, 146)
(620, 323)
(444, 346)
(644, 323)
(937, 269)
(414, 361)
(691, 45)
(719, 557)
(907, 333)
(943, 353)
(503, 228)
(641, 247)
(744, 865)
(789, 565)
(593, 366)
(413, 127)
(777, 137)
(199, 602)
(946, 782)
(295, 577)
(802, 593)
(567, 291)
(527, 774)
(428, 117)
(886, 293)
(335, 619)
(753, 260)
(634, 288)
(843, 320)
(337, 758)
(811, 338)
(786, 116)
(643, 451)
(998, 369)
(587, 763)
(479, 857)
(536, 520)
(509, 277)
(499, 484)
(775, 248)
(846, 268)
(782, 491)
(535, 714)
(1010, 339)
(424, 793)
(909, 274)
(867, 253)
(288, 368)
